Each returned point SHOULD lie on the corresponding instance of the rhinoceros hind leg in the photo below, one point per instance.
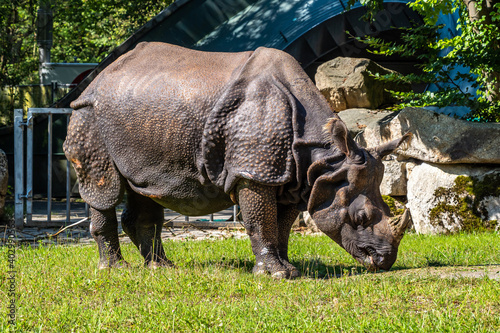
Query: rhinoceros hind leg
(142, 221)
(104, 229)
(259, 210)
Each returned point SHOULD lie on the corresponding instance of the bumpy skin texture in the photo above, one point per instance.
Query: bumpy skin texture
(190, 130)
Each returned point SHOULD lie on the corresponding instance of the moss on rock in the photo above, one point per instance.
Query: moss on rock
(395, 207)
(462, 203)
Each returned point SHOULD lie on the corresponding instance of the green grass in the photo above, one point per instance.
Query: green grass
(212, 289)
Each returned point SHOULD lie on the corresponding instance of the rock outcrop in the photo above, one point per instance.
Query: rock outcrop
(450, 198)
(449, 171)
(358, 119)
(346, 83)
(438, 138)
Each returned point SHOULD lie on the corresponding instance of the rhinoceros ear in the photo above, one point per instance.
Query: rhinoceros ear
(387, 148)
(340, 137)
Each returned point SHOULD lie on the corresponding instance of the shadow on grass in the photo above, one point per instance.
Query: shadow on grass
(427, 263)
(309, 268)
(316, 269)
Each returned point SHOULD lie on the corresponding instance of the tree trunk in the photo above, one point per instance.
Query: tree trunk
(474, 14)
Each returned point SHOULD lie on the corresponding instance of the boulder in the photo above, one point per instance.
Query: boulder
(4, 177)
(394, 181)
(304, 220)
(450, 198)
(437, 138)
(346, 83)
(358, 119)
(310, 224)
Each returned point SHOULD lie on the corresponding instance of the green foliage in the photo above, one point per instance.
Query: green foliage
(476, 48)
(90, 29)
(18, 54)
(85, 29)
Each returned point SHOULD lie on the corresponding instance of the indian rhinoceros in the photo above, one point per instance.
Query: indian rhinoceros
(197, 132)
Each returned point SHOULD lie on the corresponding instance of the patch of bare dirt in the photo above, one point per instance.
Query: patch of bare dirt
(455, 272)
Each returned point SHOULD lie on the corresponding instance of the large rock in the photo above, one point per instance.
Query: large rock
(304, 220)
(394, 181)
(346, 83)
(311, 225)
(358, 119)
(4, 177)
(437, 138)
(451, 198)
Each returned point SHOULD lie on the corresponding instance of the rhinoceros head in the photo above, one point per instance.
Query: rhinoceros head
(346, 203)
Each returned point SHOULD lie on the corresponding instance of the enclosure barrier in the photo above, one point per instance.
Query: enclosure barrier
(24, 192)
(23, 200)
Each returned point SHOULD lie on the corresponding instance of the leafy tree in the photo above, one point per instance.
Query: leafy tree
(90, 29)
(86, 29)
(476, 48)
(18, 54)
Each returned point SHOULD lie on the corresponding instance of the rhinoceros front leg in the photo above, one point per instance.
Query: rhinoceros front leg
(104, 229)
(260, 217)
(142, 220)
(286, 216)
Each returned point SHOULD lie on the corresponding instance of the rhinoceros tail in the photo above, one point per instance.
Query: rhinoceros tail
(82, 102)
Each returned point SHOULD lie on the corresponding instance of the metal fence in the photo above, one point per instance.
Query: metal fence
(24, 173)
(23, 165)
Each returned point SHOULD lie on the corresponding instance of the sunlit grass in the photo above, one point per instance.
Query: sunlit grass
(212, 289)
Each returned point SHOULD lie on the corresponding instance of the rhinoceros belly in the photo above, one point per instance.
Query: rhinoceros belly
(161, 163)
(187, 196)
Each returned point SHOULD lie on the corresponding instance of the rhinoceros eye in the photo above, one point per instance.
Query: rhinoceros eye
(358, 211)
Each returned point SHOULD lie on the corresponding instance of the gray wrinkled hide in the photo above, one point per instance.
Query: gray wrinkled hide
(199, 119)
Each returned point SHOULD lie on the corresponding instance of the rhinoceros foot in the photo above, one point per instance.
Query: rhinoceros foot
(116, 264)
(161, 264)
(290, 272)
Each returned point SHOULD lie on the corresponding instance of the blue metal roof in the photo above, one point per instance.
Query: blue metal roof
(307, 29)
(241, 25)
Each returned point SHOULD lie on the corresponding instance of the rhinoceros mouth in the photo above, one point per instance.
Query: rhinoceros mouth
(369, 259)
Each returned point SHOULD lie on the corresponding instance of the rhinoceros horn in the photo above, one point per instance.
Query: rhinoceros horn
(399, 224)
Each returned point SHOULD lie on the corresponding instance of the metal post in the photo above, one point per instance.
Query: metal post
(29, 169)
(235, 213)
(49, 169)
(68, 183)
(53, 88)
(18, 168)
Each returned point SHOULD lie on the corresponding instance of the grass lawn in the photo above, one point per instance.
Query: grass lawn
(212, 289)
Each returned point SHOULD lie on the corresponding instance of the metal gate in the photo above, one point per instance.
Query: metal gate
(24, 172)
(23, 165)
